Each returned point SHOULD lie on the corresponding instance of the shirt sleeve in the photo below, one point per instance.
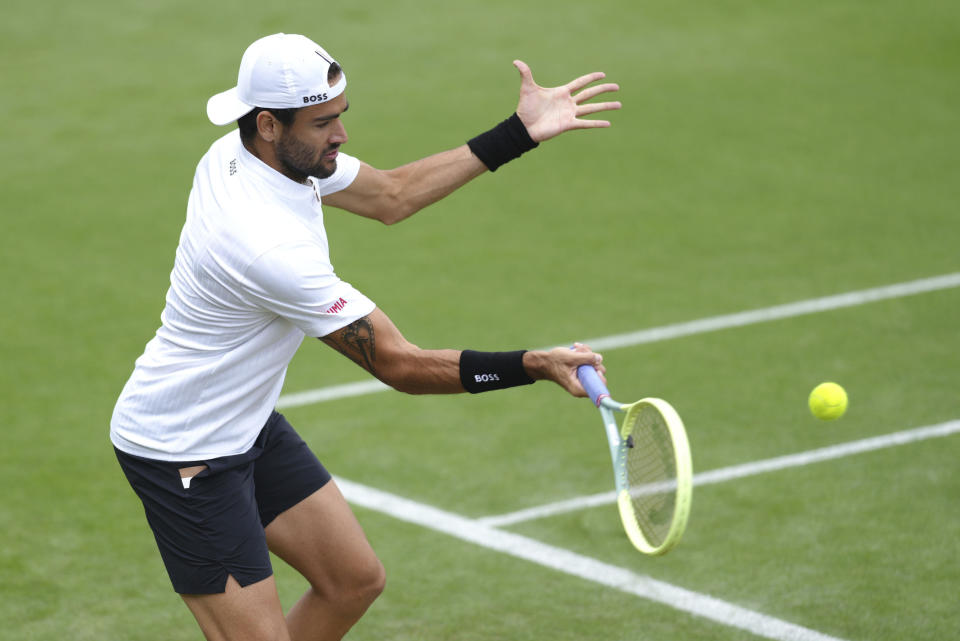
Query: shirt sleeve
(295, 281)
(347, 169)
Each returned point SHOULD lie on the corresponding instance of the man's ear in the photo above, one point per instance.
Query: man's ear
(268, 126)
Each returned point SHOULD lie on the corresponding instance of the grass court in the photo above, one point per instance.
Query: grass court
(767, 153)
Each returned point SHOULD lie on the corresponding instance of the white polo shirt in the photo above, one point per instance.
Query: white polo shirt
(252, 277)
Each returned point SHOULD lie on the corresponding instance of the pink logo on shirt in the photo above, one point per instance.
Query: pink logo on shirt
(337, 307)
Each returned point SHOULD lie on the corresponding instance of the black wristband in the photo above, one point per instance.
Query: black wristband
(486, 371)
(503, 143)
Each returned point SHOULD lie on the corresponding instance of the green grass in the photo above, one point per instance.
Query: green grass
(767, 152)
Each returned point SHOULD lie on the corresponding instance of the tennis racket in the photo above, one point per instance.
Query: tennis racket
(651, 466)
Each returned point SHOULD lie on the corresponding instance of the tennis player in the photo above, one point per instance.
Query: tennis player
(223, 477)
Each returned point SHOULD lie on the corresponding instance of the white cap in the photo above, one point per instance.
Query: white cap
(279, 71)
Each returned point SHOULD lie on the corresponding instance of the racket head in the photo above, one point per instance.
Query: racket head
(655, 504)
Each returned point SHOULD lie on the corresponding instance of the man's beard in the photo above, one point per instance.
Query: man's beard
(299, 160)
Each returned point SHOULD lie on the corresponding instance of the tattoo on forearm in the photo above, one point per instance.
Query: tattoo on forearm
(356, 341)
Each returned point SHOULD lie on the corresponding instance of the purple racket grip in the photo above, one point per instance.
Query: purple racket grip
(592, 383)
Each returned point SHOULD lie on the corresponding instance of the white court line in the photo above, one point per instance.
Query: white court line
(346, 390)
(568, 562)
(779, 312)
(738, 471)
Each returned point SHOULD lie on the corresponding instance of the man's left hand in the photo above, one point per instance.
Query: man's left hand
(549, 111)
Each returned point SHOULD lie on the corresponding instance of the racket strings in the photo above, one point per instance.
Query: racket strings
(652, 474)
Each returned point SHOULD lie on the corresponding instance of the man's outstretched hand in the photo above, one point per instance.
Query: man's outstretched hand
(549, 111)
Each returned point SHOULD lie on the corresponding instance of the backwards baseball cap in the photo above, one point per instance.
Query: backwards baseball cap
(281, 71)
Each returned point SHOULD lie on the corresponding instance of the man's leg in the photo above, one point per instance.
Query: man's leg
(251, 613)
(321, 538)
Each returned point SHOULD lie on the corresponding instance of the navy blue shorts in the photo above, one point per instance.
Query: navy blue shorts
(215, 527)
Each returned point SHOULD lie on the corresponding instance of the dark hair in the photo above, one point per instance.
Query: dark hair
(248, 122)
(334, 71)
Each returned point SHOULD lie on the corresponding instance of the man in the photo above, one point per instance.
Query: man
(222, 476)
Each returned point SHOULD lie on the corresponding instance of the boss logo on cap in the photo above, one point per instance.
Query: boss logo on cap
(320, 97)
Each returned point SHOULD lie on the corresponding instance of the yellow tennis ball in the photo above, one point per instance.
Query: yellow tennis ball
(828, 401)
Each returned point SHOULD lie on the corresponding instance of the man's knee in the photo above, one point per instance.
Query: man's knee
(367, 584)
(357, 589)
(376, 581)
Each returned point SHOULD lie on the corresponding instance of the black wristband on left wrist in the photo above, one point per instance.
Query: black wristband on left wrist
(503, 143)
(487, 371)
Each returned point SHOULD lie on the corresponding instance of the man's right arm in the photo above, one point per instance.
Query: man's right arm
(375, 344)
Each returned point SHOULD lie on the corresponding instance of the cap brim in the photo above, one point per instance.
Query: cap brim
(225, 107)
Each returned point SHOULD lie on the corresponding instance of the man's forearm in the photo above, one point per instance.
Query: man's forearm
(375, 344)
(395, 194)
(425, 181)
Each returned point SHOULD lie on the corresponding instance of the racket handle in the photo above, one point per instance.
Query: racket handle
(592, 382)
